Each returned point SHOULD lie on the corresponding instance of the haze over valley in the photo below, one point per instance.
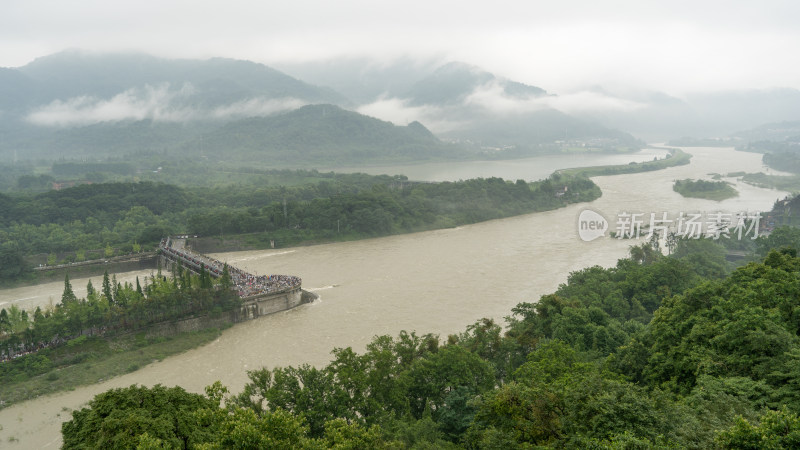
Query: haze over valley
(79, 104)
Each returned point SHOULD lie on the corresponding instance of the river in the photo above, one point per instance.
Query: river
(438, 281)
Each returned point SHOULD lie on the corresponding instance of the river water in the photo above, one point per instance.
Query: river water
(437, 281)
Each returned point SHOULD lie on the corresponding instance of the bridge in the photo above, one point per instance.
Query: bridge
(261, 295)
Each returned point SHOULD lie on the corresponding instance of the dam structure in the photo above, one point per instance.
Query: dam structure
(261, 295)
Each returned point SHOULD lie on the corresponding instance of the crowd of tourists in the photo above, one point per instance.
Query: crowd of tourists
(21, 349)
(246, 284)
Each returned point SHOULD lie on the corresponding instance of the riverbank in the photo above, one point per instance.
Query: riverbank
(789, 183)
(677, 158)
(89, 360)
(426, 207)
(96, 267)
(287, 239)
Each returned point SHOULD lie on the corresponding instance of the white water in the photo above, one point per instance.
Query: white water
(438, 281)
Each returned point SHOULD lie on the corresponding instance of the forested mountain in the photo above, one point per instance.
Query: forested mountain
(309, 136)
(324, 134)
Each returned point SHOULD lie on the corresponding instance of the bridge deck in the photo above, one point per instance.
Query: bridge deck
(247, 284)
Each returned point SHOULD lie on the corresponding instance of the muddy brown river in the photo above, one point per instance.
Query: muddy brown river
(437, 281)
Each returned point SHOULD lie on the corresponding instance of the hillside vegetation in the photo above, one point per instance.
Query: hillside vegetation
(646, 354)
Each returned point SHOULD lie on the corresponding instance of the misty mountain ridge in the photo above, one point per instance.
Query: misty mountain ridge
(78, 103)
(324, 134)
(76, 73)
(454, 82)
(776, 131)
(311, 135)
(662, 117)
(54, 104)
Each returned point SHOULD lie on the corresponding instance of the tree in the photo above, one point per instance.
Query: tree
(5, 323)
(107, 288)
(225, 282)
(12, 263)
(116, 418)
(68, 296)
(776, 430)
(430, 380)
(243, 429)
(115, 287)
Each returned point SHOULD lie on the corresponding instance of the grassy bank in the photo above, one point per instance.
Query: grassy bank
(789, 183)
(677, 157)
(709, 190)
(89, 360)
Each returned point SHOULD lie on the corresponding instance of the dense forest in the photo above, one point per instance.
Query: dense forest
(122, 217)
(659, 351)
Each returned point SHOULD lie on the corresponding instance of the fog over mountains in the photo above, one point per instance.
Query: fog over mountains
(75, 104)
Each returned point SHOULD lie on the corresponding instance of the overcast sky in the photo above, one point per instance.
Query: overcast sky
(675, 46)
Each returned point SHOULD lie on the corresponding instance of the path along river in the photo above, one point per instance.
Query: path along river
(438, 281)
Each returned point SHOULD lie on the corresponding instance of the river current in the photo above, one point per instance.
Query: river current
(438, 281)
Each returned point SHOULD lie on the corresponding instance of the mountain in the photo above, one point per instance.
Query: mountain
(461, 96)
(779, 141)
(536, 130)
(323, 134)
(776, 131)
(700, 115)
(17, 90)
(215, 81)
(452, 83)
(310, 136)
(78, 104)
(491, 111)
(364, 80)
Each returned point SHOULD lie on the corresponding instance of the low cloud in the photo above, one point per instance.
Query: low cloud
(590, 101)
(492, 97)
(400, 112)
(156, 103)
(149, 102)
(256, 107)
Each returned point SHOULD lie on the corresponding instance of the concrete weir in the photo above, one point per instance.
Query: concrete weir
(261, 295)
